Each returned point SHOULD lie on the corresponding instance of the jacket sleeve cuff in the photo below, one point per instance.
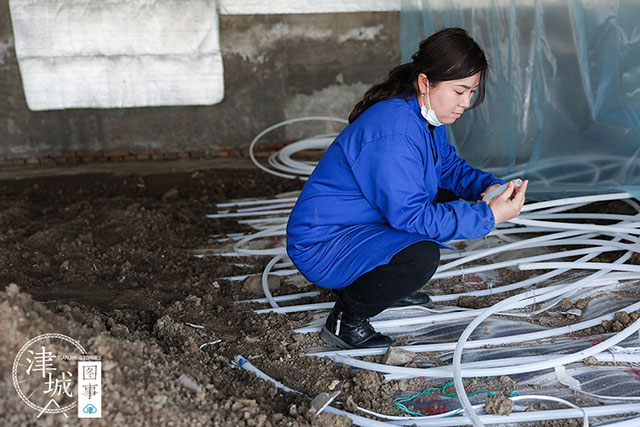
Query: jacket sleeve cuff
(489, 222)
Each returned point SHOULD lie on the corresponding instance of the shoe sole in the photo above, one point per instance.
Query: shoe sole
(428, 304)
(332, 339)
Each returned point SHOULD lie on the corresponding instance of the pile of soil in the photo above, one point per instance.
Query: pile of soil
(108, 260)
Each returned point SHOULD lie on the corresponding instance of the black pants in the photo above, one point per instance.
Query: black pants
(406, 272)
(386, 284)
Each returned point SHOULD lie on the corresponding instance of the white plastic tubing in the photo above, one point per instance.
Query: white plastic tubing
(294, 169)
(535, 366)
(344, 356)
(623, 231)
(357, 420)
(520, 417)
(545, 240)
(563, 238)
(545, 218)
(576, 412)
(545, 295)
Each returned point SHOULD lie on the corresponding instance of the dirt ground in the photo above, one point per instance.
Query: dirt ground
(107, 258)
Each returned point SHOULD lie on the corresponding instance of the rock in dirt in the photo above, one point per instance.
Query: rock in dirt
(469, 301)
(293, 410)
(12, 290)
(253, 284)
(298, 281)
(504, 379)
(566, 304)
(582, 304)
(622, 317)
(498, 404)
(189, 383)
(171, 194)
(590, 361)
(397, 356)
(617, 326)
(368, 380)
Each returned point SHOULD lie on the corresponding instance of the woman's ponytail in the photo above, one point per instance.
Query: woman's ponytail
(399, 80)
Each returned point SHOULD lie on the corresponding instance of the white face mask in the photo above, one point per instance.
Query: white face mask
(429, 115)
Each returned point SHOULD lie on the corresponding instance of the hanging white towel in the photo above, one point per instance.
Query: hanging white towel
(117, 53)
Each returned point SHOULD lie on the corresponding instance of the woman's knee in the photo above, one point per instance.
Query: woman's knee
(421, 260)
(430, 260)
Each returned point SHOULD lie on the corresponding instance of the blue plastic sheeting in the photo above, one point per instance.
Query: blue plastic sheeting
(563, 94)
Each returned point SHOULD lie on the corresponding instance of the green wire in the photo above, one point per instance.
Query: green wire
(397, 401)
(404, 399)
(455, 413)
(407, 410)
(450, 383)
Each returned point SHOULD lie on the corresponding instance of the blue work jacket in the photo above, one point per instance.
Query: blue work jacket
(373, 194)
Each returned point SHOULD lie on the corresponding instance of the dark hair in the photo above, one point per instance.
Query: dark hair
(449, 54)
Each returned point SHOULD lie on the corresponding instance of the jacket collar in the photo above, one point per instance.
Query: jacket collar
(412, 99)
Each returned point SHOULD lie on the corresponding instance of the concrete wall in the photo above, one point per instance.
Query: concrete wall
(275, 67)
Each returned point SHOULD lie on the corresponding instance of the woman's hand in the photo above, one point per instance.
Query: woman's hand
(508, 204)
(489, 188)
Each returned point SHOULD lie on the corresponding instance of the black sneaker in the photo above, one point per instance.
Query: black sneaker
(417, 298)
(347, 330)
